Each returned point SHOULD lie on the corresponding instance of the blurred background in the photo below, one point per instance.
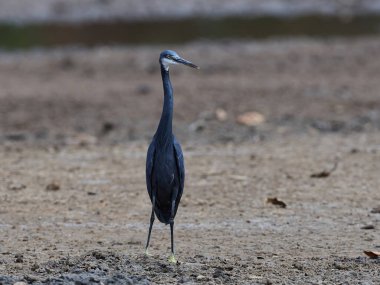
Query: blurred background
(116, 22)
(268, 67)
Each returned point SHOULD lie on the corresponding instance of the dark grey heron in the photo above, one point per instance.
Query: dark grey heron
(165, 169)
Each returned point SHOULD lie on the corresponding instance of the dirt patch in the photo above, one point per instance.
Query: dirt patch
(226, 232)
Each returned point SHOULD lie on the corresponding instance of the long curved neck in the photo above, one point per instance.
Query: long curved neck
(164, 131)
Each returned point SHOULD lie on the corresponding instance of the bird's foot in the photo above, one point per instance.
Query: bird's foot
(147, 252)
(172, 259)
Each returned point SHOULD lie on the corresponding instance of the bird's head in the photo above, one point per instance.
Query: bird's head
(168, 57)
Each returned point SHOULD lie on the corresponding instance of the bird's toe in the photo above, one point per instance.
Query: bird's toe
(172, 259)
(147, 253)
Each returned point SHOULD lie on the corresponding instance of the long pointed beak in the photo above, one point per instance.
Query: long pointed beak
(185, 62)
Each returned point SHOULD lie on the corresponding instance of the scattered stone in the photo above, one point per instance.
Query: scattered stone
(134, 242)
(218, 273)
(107, 127)
(368, 227)
(31, 278)
(372, 254)
(19, 258)
(338, 266)
(328, 126)
(276, 202)
(16, 137)
(35, 267)
(250, 119)
(16, 186)
(376, 210)
(98, 255)
(53, 187)
(221, 115)
(298, 266)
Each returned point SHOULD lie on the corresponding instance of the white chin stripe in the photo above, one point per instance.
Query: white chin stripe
(166, 62)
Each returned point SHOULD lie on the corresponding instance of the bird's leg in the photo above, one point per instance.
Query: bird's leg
(171, 221)
(151, 225)
(172, 256)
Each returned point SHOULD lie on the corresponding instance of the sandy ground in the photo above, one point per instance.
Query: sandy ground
(75, 125)
(25, 11)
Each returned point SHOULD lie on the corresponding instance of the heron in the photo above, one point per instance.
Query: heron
(165, 168)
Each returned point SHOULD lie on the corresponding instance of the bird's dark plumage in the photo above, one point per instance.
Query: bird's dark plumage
(169, 178)
(165, 169)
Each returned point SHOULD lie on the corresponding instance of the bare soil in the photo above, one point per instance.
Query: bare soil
(75, 125)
